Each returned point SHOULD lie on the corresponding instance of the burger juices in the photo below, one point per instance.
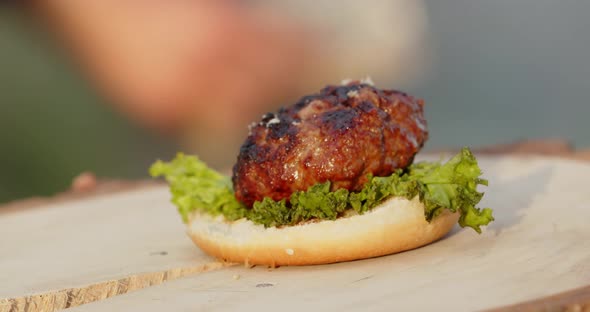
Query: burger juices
(336, 154)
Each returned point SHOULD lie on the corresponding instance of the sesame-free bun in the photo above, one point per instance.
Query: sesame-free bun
(396, 225)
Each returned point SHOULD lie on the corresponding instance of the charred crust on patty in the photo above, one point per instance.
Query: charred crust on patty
(341, 134)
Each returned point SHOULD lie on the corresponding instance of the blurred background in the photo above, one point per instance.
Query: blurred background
(110, 86)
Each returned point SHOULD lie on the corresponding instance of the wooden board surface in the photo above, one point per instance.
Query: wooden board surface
(538, 246)
(87, 250)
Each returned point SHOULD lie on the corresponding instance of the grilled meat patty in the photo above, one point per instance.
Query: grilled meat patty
(340, 135)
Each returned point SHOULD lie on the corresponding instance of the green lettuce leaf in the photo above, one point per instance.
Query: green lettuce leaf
(451, 186)
(195, 186)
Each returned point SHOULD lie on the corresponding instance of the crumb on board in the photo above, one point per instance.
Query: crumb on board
(247, 264)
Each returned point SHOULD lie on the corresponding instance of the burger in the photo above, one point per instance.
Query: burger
(328, 179)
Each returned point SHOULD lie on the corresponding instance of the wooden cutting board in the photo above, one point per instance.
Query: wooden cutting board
(92, 249)
(85, 250)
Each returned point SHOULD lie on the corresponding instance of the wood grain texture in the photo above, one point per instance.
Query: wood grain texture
(538, 246)
(101, 187)
(577, 300)
(87, 250)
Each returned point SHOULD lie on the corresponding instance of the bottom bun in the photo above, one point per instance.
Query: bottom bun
(394, 226)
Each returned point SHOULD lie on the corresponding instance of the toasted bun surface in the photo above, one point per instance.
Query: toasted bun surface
(396, 225)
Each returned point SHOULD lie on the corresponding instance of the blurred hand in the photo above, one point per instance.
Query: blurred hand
(173, 64)
(203, 69)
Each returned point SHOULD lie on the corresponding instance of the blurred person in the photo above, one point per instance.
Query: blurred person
(202, 70)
